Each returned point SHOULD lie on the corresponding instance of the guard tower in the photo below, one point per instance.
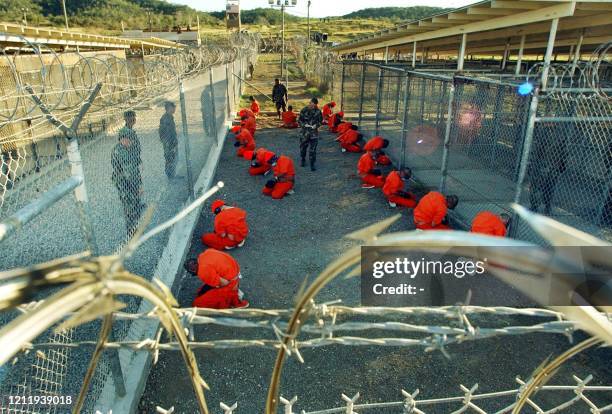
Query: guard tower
(232, 14)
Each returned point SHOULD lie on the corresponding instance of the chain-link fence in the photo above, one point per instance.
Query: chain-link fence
(469, 135)
(90, 143)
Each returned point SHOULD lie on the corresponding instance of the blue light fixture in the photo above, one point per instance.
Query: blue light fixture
(525, 89)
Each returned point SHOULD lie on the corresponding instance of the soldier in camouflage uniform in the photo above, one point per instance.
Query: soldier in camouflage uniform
(126, 161)
(310, 120)
(167, 135)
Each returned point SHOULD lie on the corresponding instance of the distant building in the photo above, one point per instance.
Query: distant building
(186, 37)
(232, 14)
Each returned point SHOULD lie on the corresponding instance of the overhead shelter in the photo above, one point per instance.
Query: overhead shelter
(14, 35)
(499, 28)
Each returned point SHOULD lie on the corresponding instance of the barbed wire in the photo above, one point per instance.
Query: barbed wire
(590, 78)
(412, 405)
(63, 84)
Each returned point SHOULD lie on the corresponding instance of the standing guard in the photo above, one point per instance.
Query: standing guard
(310, 120)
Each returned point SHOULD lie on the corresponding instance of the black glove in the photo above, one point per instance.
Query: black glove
(381, 153)
(270, 184)
(191, 266)
(445, 221)
(255, 164)
(376, 171)
(237, 144)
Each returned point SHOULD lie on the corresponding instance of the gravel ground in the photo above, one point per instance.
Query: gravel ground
(294, 239)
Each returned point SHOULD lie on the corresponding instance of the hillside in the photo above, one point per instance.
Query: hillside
(103, 14)
(106, 16)
(395, 13)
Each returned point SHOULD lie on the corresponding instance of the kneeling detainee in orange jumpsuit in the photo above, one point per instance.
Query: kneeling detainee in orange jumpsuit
(430, 213)
(350, 140)
(377, 144)
(490, 224)
(335, 121)
(289, 118)
(244, 141)
(220, 274)
(249, 123)
(371, 177)
(284, 177)
(394, 189)
(230, 228)
(345, 126)
(259, 158)
(328, 110)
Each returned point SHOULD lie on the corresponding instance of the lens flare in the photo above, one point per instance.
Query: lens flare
(422, 140)
(525, 89)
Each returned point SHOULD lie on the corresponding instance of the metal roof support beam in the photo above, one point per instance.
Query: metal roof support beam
(414, 48)
(461, 56)
(517, 70)
(506, 53)
(554, 24)
(577, 52)
(508, 23)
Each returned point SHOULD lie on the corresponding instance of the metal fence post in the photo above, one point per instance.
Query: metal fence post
(361, 92)
(227, 81)
(527, 142)
(342, 86)
(397, 97)
(186, 139)
(212, 103)
(379, 88)
(423, 80)
(447, 132)
(497, 122)
(405, 120)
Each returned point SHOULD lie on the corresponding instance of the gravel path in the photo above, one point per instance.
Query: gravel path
(294, 239)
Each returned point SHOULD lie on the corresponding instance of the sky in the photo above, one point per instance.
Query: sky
(324, 8)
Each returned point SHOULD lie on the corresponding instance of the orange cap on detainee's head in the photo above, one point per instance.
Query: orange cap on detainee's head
(216, 206)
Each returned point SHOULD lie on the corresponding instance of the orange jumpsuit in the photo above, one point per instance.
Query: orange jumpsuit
(488, 223)
(376, 144)
(250, 124)
(343, 127)
(246, 112)
(255, 107)
(327, 112)
(231, 229)
(247, 143)
(430, 212)
(334, 121)
(394, 185)
(289, 120)
(349, 140)
(212, 266)
(284, 172)
(365, 165)
(262, 156)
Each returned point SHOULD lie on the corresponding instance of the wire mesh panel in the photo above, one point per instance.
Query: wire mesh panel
(219, 84)
(486, 139)
(569, 173)
(351, 91)
(368, 103)
(390, 119)
(426, 115)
